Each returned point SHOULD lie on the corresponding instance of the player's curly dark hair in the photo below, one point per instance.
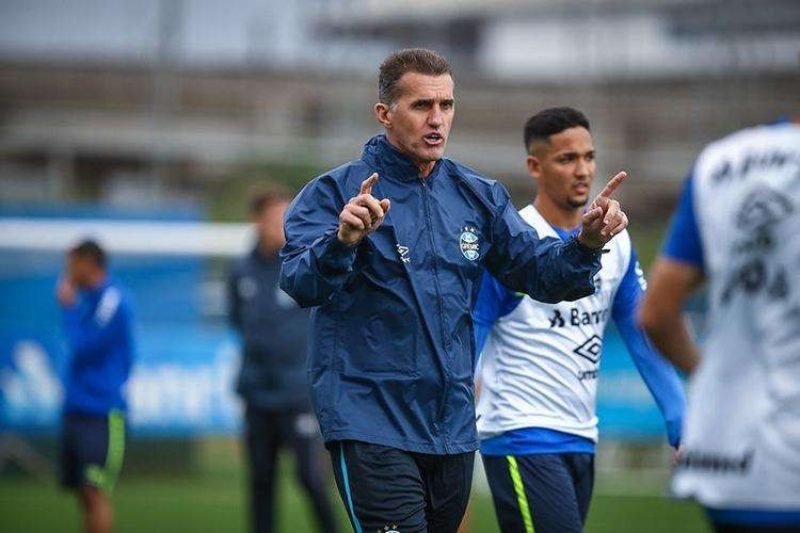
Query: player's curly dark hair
(552, 121)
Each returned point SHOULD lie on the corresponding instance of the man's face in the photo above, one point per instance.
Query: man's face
(564, 167)
(418, 122)
(79, 270)
(269, 224)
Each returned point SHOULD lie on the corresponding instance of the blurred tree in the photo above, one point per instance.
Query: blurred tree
(227, 200)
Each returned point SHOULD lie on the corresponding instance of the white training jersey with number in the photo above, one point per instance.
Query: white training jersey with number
(742, 433)
(539, 365)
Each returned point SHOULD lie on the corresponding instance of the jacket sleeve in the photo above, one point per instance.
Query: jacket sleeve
(314, 264)
(91, 339)
(548, 270)
(234, 302)
(658, 374)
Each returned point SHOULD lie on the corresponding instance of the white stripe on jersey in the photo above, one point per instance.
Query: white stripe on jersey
(108, 305)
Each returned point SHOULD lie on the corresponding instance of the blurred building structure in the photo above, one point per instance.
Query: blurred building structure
(136, 102)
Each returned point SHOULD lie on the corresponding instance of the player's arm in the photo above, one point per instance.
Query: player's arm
(657, 373)
(90, 339)
(550, 270)
(322, 235)
(661, 314)
(675, 276)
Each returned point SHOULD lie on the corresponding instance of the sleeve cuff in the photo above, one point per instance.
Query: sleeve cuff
(575, 249)
(336, 256)
(674, 432)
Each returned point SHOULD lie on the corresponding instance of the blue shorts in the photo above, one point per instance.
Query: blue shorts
(545, 493)
(754, 521)
(92, 450)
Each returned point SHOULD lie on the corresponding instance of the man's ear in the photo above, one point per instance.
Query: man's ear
(382, 114)
(534, 166)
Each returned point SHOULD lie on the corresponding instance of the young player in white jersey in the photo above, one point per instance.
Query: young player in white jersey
(539, 363)
(737, 225)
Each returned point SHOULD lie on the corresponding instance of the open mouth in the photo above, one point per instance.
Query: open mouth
(433, 139)
(581, 188)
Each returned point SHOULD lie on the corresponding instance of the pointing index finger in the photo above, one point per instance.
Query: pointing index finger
(366, 185)
(613, 184)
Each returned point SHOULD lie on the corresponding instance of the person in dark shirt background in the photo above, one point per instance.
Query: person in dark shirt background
(272, 381)
(97, 322)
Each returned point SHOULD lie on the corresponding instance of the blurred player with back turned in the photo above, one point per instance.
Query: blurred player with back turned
(97, 322)
(393, 282)
(539, 368)
(737, 224)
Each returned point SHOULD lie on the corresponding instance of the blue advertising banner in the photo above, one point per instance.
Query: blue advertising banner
(187, 357)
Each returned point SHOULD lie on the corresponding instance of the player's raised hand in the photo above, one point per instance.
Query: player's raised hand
(604, 218)
(363, 214)
(66, 292)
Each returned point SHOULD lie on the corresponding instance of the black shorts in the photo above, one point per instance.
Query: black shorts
(92, 450)
(386, 489)
(545, 493)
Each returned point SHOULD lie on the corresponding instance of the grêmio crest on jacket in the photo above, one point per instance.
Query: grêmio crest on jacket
(469, 243)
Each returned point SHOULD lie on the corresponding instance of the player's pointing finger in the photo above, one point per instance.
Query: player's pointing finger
(613, 184)
(366, 185)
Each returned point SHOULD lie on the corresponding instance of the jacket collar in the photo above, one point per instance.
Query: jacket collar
(380, 153)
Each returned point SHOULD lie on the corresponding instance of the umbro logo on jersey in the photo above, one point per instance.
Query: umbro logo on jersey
(403, 252)
(590, 349)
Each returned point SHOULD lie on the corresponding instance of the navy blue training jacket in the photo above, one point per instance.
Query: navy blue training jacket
(274, 335)
(392, 344)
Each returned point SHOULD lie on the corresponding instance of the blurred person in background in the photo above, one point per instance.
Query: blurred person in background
(539, 363)
(736, 225)
(272, 381)
(98, 326)
(392, 342)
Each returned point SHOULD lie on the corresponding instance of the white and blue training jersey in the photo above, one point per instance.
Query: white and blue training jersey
(739, 222)
(539, 362)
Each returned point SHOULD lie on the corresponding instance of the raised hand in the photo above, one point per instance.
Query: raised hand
(66, 293)
(604, 218)
(362, 215)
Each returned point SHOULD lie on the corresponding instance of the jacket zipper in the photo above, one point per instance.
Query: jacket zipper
(440, 417)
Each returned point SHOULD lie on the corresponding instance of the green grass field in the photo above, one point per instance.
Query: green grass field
(213, 500)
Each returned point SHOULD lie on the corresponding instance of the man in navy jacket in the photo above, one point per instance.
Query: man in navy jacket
(392, 339)
(274, 332)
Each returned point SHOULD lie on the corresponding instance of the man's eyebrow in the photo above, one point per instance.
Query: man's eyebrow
(574, 153)
(430, 101)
